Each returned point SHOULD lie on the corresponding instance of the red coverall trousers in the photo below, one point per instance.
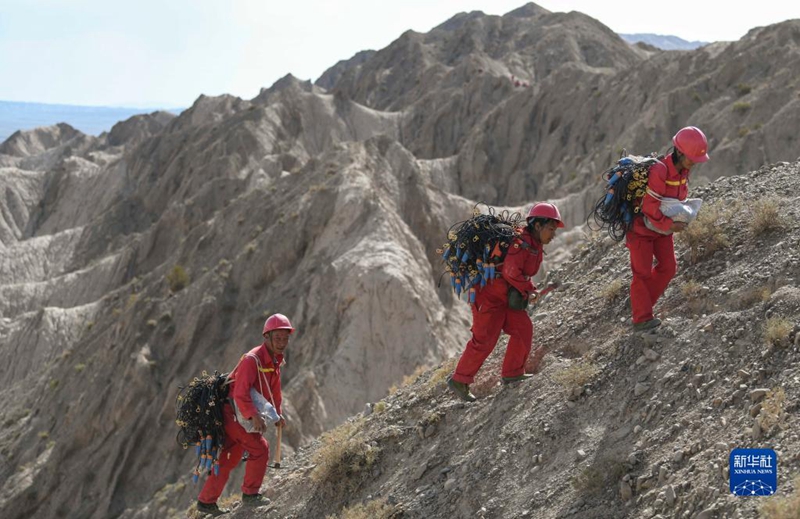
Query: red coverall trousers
(649, 282)
(490, 316)
(237, 440)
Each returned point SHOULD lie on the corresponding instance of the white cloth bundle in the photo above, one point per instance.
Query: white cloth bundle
(264, 408)
(685, 211)
(682, 211)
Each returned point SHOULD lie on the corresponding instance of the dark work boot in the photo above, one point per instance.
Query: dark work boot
(647, 325)
(211, 509)
(255, 500)
(461, 389)
(518, 378)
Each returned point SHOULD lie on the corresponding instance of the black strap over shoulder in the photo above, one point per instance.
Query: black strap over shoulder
(525, 245)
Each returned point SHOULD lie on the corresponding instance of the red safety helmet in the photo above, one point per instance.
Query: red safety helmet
(545, 210)
(692, 142)
(277, 322)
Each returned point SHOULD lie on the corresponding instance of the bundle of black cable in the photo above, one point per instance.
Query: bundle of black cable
(475, 244)
(199, 410)
(625, 188)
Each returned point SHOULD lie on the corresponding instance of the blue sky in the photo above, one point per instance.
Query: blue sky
(148, 53)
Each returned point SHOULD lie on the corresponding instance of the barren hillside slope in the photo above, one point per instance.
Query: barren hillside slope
(615, 425)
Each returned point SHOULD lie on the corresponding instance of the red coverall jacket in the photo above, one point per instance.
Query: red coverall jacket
(246, 376)
(491, 314)
(521, 264)
(667, 182)
(649, 282)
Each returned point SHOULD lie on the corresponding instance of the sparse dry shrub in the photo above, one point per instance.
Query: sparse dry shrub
(743, 131)
(706, 235)
(772, 410)
(440, 374)
(317, 187)
(776, 331)
(177, 278)
(227, 502)
(782, 507)
(410, 379)
(571, 348)
(766, 216)
(343, 459)
(170, 489)
(599, 475)
(589, 480)
(691, 289)
(743, 89)
(379, 407)
(429, 418)
(613, 291)
(374, 509)
(750, 297)
(741, 107)
(577, 374)
(697, 300)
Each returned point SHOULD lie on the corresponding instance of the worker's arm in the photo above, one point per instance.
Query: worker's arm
(651, 206)
(512, 269)
(246, 375)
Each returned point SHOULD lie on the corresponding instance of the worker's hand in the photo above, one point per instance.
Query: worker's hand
(281, 422)
(259, 424)
(534, 297)
(678, 226)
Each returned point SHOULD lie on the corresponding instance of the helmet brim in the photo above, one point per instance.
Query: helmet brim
(560, 223)
(265, 332)
(697, 160)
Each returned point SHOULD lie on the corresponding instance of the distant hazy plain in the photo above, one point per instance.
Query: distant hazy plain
(92, 120)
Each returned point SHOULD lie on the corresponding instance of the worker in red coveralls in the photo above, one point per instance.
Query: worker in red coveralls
(667, 178)
(262, 362)
(492, 312)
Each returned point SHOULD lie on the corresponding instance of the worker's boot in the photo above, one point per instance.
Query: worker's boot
(254, 500)
(518, 378)
(461, 389)
(211, 509)
(647, 325)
